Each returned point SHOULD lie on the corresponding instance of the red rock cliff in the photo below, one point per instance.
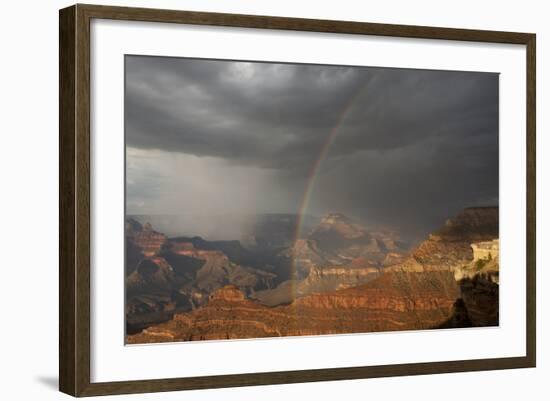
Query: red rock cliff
(394, 301)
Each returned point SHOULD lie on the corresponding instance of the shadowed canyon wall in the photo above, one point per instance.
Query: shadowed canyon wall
(438, 284)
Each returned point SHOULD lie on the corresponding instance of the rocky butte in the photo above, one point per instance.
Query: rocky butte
(148, 240)
(168, 275)
(449, 280)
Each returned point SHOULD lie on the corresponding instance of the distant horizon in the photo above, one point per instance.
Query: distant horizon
(398, 148)
(311, 219)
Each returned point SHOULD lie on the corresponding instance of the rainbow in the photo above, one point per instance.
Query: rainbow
(314, 171)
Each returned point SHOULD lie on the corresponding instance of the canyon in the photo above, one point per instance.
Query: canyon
(339, 277)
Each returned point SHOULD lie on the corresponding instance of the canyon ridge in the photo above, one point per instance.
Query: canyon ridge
(338, 277)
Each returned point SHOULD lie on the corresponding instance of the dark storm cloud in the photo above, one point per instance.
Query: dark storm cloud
(414, 143)
(274, 115)
(261, 114)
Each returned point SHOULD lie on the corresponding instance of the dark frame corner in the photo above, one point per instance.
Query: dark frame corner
(74, 199)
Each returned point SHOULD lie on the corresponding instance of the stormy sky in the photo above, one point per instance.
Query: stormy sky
(408, 148)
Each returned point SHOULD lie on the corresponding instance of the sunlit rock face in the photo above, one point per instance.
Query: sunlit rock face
(479, 284)
(468, 246)
(485, 250)
(485, 263)
(229, 293)
(451, 245)
(394, 301)
(449, 280)
(336, 254)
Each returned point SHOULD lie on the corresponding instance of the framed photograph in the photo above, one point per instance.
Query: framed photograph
(250, 200)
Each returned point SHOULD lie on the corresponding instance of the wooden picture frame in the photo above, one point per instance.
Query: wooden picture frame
(74, 199)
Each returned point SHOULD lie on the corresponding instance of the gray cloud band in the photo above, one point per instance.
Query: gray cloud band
(414, 144)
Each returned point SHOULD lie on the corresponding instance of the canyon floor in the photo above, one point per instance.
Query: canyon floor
(340, 277)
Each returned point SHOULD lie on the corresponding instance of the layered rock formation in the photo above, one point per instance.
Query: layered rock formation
(319, 279)
(165, 275)
(144, 237)
(336, 226)
(336, 254)
(396, 301)
(306, 254)
(347, 280)
(149, 293)
(450, 246)
(153, 274)
(466, 245)
(479, 284)
(339, 235)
